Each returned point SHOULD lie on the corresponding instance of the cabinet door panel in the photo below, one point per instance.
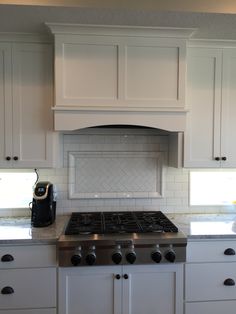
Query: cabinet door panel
(205, 281)
(34, 311)
(89, 290)
(5, 105)
(202, 137)
(33, 288)
(211, 307)
(228, 147)
(32, 102)
(157, 289)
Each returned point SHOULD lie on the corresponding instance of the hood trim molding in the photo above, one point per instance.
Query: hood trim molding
(70, 120)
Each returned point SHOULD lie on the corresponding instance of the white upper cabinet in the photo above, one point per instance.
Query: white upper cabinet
(26, 98)
(211, 121)
(113, 74)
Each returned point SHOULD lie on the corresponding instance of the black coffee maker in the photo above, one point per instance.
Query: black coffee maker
(43, 205)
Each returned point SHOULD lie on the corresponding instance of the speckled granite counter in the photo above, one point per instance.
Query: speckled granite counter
(15, 230)
(206, 226)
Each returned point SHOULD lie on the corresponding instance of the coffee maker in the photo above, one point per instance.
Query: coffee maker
(43, 205)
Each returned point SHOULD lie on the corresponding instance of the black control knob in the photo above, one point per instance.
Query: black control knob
(170, 256)
(229, 282)
(15, 158)
(217, 158)
(131, 257)
(90, 258)
(156, 256)
(116, 257)
(8, 158)
(76, 259)
(224, 158)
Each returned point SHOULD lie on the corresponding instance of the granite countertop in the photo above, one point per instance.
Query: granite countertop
(206, 226)
(15, 230)
(19, 230)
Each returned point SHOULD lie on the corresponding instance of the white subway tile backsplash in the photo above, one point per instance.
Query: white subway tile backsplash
(141, 197)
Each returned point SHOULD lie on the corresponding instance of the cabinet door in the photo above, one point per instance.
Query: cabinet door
(228, 147)
(202, 136)
(153, 290)
(217, 307)
(90, 290)
(32, 102)
(5, 105)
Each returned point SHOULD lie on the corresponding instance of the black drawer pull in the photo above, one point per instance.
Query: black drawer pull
(126, 276)
(7, 290)
(117, 276)
(229, 251)
(7, 258)
(229, 282)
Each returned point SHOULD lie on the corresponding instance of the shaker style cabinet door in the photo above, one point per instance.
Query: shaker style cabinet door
(202, 136)
(211, 121)
(90, 290)
(5, 105)
(26, 98)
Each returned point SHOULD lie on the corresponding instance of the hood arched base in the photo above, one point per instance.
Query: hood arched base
(70, 120)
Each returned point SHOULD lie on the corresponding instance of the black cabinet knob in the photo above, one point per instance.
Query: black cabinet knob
(224, 158)
(8, 158)
(7, 258)
(76, 259)
(229, 251)
(126, 276)
(229, 282)
(117, 276)
(217, 158)
(15, 158)
(7, 290)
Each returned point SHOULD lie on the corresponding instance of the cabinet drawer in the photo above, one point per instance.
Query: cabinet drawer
(205, 281)
(218, 307)
(34, 311)
(211, 251)
(27, 256)
(33, 288)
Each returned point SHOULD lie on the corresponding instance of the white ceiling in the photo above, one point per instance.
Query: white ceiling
(18, 18)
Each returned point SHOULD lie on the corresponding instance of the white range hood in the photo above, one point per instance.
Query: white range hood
(114, 75)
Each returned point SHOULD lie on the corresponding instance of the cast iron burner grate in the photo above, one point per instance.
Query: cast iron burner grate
(118, 222)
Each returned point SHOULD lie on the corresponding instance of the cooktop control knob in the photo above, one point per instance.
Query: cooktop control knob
(156, 255)
(131, 255)
(76, 259)
(117, 255)
(91, 256)
(170, 255)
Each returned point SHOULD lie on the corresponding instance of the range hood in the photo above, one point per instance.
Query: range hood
(118, 75)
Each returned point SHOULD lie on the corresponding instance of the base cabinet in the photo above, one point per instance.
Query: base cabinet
(28, 281)
(121, 290)
(210, 277)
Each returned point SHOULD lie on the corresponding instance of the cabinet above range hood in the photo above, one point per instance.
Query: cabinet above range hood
(109, 75)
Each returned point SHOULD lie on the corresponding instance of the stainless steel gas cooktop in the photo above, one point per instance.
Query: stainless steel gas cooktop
(106, 238)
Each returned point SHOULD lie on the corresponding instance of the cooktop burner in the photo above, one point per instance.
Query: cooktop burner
(118, 222)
